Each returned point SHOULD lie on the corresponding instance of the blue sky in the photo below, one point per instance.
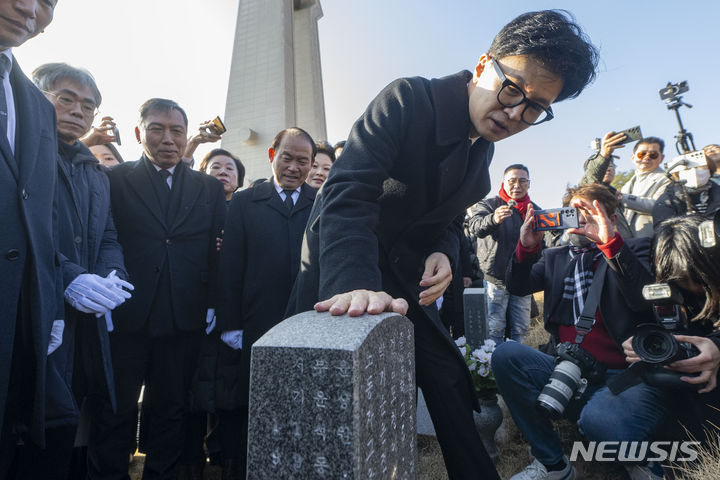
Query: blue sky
(181, 49)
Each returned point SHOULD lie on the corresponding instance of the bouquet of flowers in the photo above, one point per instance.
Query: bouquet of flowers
(478, 362)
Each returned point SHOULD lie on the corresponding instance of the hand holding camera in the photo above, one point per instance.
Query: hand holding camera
(597, 227)
(106, 132)
(208, 132)
(501, 213)
(529, 237)
(611, 142)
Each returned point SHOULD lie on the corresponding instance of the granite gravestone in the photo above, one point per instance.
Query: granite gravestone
(333, 398)
(476, 324)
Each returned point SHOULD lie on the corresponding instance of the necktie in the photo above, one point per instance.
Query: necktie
(164, 174)
(164, 190)
(4, 69)
(288, 199)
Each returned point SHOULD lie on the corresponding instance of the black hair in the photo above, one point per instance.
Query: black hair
(257, 182)
(327, 149)
(678, 257)
(648, 141)
(340, 144)
(162, 105)
(293, 131)
(517, 166)
(221, 151)
(552, 38)
(115, 152)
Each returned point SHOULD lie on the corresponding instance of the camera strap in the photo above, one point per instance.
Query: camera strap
(587, 317)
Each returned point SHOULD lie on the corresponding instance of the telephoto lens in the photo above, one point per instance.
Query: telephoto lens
(565, 379)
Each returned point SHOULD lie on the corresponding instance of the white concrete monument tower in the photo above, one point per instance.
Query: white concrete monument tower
(275, 79)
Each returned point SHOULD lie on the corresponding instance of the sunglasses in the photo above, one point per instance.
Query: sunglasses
(644, 153)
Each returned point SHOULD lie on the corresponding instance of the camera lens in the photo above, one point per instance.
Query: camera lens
(655, 345)
(561, 386)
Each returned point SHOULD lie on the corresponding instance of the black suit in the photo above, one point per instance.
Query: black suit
(171, 259)
(407, 171)
(260, 259)
(30, 283)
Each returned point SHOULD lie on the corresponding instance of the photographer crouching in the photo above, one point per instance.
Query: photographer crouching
(593, 302)
(683, 263)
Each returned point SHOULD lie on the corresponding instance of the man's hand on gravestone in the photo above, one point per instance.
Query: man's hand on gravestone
(436, 278)
(357, 302)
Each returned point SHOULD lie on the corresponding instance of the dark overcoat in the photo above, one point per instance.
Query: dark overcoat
(88, 243)
(407, 172)
(171, 260)
(259, 262)
(28, 236)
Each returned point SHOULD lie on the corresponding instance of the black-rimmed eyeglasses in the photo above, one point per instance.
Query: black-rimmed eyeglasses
(510, 95)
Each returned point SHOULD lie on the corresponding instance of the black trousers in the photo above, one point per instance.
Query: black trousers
(20, 395)
(165, 365)
(441, 374)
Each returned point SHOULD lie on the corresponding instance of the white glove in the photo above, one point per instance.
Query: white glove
(92, 293)
(108, 321)
(232, 339)
(56, 335)
(210, 320)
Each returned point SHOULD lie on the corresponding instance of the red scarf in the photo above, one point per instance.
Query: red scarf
(521, 205)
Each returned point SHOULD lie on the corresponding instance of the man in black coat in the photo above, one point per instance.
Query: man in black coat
(260, 259)
(417, 158)
(90, 252)
(168, 218)
(30, 287)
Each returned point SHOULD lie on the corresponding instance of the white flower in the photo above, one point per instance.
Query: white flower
(472, 367)
(489, 345)
(460, 342)
(484, 371)
(482, 356)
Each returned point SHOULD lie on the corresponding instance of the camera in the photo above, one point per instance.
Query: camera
(672, 90)
(656, 346)
(574, 366)
(555, 219)
(709, 231)
(654, 342)
(217, 126)
(116, 135)
(631, 135)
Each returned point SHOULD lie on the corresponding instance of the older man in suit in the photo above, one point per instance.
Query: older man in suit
(30, 288)
(260, 259)
(417, 158)
(168, 218)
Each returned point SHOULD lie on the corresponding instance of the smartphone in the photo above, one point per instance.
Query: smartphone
(116, 134)
(555, 219)
(217, 126)
(632, 135)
